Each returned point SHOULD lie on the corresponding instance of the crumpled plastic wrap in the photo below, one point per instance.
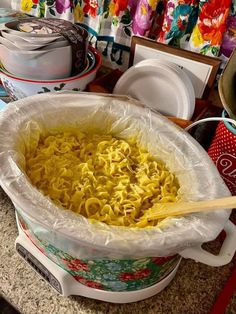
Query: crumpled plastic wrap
(122, 116)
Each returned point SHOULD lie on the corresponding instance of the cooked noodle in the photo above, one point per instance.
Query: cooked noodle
(101, 177)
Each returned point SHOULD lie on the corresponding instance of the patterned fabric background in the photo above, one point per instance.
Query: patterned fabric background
(196, 25)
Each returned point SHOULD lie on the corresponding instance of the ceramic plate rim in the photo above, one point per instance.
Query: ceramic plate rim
(189, 101)
(177, 69)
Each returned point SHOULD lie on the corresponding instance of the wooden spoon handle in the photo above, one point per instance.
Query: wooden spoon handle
(176, 209)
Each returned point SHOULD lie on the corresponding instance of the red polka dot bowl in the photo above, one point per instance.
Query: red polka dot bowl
(223, 152)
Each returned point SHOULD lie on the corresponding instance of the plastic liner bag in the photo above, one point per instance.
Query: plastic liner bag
(122, 116)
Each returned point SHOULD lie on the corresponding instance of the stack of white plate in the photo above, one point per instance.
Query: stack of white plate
(161, 85)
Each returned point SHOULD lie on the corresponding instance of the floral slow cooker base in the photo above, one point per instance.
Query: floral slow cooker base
(110, 275)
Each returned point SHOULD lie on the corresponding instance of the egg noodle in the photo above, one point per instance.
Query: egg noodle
(101, 177)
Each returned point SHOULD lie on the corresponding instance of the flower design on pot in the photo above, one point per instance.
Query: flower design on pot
(141, 263)
(162, 260)
(89, 283)
(140, 274)
(116, 285)
(114, 267)
(109, 275)
(22, 224)
(76, 265)
(56, 89)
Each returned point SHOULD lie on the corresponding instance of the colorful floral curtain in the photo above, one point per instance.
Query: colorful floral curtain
(112, 23)
(233, 8)
(208, 33)
(179, 19)
(229, 39)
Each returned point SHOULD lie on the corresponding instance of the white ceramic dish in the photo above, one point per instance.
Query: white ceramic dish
(49, 64)
(13, 45)
(19, 88)
(52, 45)
(7, 43)
(90, 63)
(182, 76)
(31, 39)
(55, 44)
(160, 86)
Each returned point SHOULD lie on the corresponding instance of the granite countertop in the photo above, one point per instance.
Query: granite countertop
(193, 290)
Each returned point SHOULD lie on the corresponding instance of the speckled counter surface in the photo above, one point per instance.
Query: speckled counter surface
(192, 291)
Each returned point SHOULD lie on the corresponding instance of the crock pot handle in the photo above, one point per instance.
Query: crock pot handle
(226, 254)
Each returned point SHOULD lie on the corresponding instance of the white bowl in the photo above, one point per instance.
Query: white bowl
(55, 44)
(18, 88)
(30, 46)
(31, 39)
(7, 43)
(44, 64)
(90, 63)
(25, 45)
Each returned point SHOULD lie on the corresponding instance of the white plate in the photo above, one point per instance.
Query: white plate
(175, 67)
(163, 86)
(181, 73)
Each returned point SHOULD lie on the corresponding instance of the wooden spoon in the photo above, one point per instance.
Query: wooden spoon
(164, 210)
